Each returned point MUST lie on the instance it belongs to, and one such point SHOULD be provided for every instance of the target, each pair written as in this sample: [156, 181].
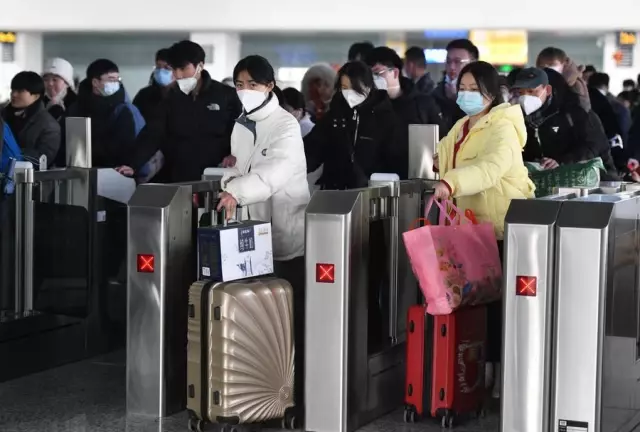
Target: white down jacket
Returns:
[271, 175]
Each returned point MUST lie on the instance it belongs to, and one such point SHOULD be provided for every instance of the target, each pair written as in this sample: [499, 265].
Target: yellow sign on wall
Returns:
[627, 38]
[7, 37]
[498, 47]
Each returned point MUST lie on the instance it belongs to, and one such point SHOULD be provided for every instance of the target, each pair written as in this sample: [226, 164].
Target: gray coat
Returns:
[40, 135]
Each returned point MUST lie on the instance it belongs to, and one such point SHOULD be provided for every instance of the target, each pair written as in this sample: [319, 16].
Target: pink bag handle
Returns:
[456, 219]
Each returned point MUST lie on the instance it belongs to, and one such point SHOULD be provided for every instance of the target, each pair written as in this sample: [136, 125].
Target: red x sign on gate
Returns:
[526, 286]
[325, 273]
[146, 263]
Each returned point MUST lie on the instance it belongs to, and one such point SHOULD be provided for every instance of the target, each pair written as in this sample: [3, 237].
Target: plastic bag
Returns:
[457, 262]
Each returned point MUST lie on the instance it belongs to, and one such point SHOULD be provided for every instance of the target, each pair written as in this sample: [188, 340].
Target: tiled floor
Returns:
[90, 397]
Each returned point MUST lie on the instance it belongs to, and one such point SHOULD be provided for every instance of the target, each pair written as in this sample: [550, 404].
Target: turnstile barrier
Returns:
[162, 263]
[357, 275]
[571, 312]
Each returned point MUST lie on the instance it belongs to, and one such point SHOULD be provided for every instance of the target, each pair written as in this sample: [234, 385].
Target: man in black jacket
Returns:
[410, 106]
[559, 131]
[460, 52]
[193, 123]
[415, 68]
[113, 130]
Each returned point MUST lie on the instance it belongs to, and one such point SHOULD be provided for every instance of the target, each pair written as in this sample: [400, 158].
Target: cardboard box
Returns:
[235, 251]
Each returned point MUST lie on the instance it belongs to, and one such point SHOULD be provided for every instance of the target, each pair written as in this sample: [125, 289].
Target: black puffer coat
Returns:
[353, 143]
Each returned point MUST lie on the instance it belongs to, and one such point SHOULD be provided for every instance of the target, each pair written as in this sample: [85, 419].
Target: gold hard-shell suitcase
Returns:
[240, 353]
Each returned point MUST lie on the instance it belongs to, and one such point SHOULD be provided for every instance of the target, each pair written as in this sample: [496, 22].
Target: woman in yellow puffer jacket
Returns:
[481, 167]
[480, 160]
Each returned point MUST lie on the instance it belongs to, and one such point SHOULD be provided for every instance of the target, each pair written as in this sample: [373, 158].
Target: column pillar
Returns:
[28, 51]
[25, 53]
[397, 42]
[610, 66]
[222, 51]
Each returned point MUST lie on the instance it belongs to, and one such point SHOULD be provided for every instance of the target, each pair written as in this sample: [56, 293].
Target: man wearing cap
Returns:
[59, 87]
[559, 131]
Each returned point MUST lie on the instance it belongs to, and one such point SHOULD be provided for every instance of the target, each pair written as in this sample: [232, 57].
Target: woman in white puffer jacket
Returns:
[270, 179]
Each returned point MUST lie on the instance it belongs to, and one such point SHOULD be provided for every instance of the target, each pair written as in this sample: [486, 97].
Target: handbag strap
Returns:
[454, 217]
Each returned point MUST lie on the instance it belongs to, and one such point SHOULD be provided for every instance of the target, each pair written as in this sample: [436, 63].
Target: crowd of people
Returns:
[342, 127]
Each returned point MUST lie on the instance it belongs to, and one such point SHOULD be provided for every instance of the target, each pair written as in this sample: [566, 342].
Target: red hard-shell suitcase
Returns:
[419, 359]
[445, 363]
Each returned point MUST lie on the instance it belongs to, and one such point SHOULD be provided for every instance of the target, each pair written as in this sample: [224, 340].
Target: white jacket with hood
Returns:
[271, 174]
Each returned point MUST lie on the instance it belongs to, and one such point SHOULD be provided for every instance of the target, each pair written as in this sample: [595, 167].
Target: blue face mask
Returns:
[111, 88]
[163, 76]
[470, 102]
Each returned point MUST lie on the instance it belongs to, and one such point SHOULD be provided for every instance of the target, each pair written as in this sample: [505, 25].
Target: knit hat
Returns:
[61, 68]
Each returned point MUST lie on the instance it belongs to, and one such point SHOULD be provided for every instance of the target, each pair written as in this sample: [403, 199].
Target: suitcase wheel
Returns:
[289, 421]
[196, 425]
[447, 420]
[410, 415]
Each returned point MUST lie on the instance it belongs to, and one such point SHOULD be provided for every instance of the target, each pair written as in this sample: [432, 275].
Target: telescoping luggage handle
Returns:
[223, 215]
[454, 217]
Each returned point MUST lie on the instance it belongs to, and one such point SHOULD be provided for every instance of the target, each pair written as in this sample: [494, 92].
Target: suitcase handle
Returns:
[226, 222]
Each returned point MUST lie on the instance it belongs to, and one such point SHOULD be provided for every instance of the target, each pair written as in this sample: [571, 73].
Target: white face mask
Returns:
[506, 96]
[558, 68]
[188, 84]
[530, 103]
[380, 83]
[251, 99]
[353, 98]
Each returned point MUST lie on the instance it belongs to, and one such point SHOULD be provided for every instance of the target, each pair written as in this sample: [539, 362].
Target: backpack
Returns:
[9, 153]
[138, 120]
[10, 149]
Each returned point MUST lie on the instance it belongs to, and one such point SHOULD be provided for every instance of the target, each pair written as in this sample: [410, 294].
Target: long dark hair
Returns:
[487, 79]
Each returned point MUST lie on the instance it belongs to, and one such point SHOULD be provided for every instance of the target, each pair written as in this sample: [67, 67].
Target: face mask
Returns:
[59, 97]
[506, 96]
[380, 83]
[471, 103]
[163, 76]
[251, 99]
[111, 88]
[530, 103]
[353, 98]
[188, 84]
[558, 68]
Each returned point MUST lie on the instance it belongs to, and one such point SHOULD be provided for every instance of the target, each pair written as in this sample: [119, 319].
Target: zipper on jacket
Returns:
[356, 117]
[537, 136]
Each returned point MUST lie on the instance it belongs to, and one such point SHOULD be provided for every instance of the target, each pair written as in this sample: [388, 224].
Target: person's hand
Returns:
[571, 72]
[125, 170]
[548, 163]
[229, 162]
[633, 165]
[441, 191]
[229, 204]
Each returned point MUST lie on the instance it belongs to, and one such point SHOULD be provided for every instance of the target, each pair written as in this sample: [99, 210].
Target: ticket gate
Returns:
[59, 295]
[571, 312]
[357, 276]
[162, 263]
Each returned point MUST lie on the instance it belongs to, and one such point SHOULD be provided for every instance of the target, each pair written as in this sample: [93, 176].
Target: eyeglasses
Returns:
[111, 79]
[380, 73]
[456, 61]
